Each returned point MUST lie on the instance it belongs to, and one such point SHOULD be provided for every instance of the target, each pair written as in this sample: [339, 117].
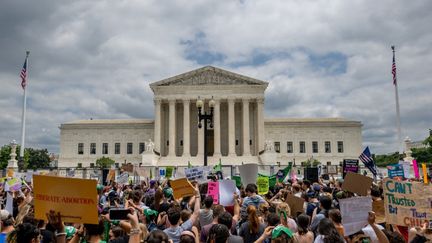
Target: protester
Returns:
[252, 229]
[304, 234]
[327, 232]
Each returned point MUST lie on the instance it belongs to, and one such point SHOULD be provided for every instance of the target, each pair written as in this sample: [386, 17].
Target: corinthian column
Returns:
[157, 127]
[246, 136]
[172, 126]
[186, 128]
[231, 128]
[260, 125]
[217, 130]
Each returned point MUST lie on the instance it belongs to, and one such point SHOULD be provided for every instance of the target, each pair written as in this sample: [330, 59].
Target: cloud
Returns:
[321, 58]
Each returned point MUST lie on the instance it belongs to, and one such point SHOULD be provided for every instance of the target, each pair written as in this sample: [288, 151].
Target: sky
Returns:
[95, 59]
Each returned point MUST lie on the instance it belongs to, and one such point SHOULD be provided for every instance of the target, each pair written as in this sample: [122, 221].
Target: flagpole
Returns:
[24, 112]
[398, 123]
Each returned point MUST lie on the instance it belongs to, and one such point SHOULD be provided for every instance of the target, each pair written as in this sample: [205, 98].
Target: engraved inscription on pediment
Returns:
[209, 77]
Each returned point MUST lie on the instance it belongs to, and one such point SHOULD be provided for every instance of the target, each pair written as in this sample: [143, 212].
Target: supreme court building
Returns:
[239, 133]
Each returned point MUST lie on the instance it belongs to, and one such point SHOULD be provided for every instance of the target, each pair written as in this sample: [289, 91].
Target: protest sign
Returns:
[311, 174]
[332, 169]
[182, 188]
[248, 173]
[142, 171]
[395, 170]
[213, 191]
[425, 178]
[14, 184]
[407, 203]
[128, 167]
[406, 166]
[295, 203]
[75, 199]
[162, 172]
[195, 173]
[357, 183]
[226, 192]
[378, 208]
[111, 175]
[350, 165]
[263, 185]
[354, 213]
[10, 173]
[169, 171]
[415, 169]
[123, 179]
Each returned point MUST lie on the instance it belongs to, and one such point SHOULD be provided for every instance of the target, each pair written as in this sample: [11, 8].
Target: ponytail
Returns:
[253, 219]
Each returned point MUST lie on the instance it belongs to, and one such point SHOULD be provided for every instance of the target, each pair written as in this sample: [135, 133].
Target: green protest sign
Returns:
[263, 185]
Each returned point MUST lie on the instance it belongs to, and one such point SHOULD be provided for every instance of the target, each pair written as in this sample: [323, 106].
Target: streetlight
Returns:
[206, 117]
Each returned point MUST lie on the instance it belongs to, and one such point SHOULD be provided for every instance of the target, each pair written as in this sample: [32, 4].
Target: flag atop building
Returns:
[368, 161]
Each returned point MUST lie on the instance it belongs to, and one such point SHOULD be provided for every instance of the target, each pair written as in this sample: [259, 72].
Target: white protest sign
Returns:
[123, 178]
[197, 173]
[226, 190]
[355, 211]
[248, 173]
[406, 165]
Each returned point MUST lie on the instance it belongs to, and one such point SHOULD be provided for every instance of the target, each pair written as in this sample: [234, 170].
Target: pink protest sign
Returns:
[213, 191]
[415, 169]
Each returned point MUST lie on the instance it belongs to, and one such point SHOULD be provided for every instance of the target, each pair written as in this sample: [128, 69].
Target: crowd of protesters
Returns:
[155, 216]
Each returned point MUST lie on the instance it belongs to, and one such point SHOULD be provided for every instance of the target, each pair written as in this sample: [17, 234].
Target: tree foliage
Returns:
[38, 158]
[5, 155]
[104, 162]
[311, 163]
[383, 160]
[424, 155]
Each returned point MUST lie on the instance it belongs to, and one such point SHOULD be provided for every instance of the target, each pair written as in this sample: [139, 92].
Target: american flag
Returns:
[23, 75]
[394, 67]
[368, 161]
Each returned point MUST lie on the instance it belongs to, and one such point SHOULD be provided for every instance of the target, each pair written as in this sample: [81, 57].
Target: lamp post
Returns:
[207, 117]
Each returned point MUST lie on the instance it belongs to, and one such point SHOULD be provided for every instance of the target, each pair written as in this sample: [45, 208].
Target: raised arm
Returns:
[382, 238]
[197, 206]
[236, 216]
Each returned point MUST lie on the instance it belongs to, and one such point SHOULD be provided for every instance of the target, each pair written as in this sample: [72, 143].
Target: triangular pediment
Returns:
[208, 76]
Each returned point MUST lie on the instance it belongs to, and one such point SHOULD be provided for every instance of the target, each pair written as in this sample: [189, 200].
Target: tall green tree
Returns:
[424, 155]
[5, 155]
[104, 162]
[38, 158]
[383, 160]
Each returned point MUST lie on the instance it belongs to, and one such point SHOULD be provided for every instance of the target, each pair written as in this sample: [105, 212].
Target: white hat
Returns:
[4, 214]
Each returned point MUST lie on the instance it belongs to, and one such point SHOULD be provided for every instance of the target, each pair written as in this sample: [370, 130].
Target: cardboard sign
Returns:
[263, 185]
[407, 203]
[295, 203]
[169, 171]
[395, 170]
[111, 175]
[213, 191]
[357, 183]
[142, 171]
[332, 169]
[128, 167]
[354, 213]
[226, 192]
[10, 173]
[123, 179]
[378, 208]
[350, 165]
[248, 173]
[182, 188]
[75, 199]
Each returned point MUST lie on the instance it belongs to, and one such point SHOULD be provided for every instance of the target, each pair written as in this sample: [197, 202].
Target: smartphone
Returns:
[118, 213]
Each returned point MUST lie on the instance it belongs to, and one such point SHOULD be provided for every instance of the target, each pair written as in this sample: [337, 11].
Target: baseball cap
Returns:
[4, 214]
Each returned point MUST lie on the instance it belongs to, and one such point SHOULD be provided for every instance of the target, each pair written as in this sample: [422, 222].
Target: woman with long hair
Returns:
[336, 217]
[304, 234]
[284, 212]
[328, 233]
[252, 229]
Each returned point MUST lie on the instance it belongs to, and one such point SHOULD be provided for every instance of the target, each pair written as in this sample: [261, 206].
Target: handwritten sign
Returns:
[195, 173]
[354, 213]
[395, 170]
[332, 169]
[357, 183]
[213, 191]
[128, 167]
[407, 203]
[142, 171]
[406, 166]
[378, 208]
[263, 185]
[123, 179]
[75, 199]
[295, 203]
[182, 188]
[350, 165]
[226, 192]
